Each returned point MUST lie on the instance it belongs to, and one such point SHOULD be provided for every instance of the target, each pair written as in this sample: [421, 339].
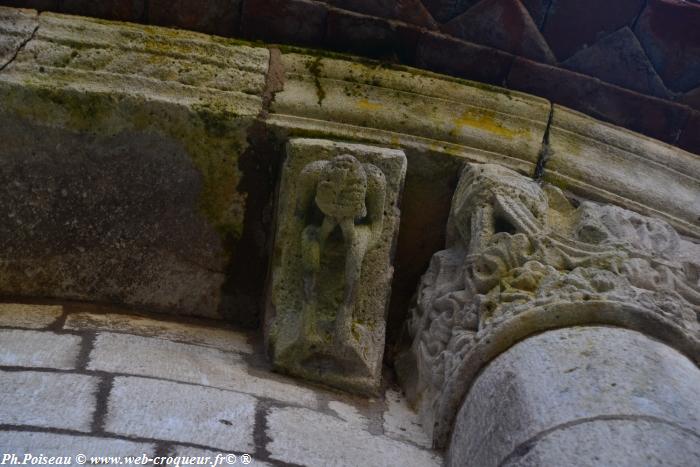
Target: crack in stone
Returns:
[546, 151]
[523, 448]
[20, 48]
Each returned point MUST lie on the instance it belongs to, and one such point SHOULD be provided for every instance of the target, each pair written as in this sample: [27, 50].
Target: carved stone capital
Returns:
[521, 259]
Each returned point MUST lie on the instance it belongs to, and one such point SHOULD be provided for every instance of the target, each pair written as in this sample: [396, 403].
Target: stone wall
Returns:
[633, 63]
[195, 127]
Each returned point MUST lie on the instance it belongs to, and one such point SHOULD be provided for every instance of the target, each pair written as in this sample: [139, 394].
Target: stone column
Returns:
[582, 396]
[552, 332]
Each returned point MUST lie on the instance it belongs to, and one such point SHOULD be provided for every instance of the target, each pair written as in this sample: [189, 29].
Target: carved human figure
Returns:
[342, 195]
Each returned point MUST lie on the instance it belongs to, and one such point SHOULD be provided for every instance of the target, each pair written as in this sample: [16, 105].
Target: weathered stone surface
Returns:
[571, 24]
[670, 188]
[503, 24]
[220, 17]
[580, 384]
[309, 438]
[657, 118]
[521, 259]
[401, 422]
[616, 442]
[337, 222]
[38, 349]
[669, 33]
[156, 409]
[417, 111]
[74, 394]
[53, 444]
[19, 315]
[222, 339]
[118, 353]
[155, 121]
[119, 10]
[294, 21]
[16, 28]
[619, 59]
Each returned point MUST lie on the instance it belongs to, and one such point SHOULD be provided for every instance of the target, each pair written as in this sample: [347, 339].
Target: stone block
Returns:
[16, 28]
[660, 119]
[19, 315]
[690, 137]
[155, 120]
[38, 349]
[118, 10]
[62, 401]
[294, 21]
[220, 17]
[149, 408]
[309, 438]
[572, 25]
[671, 173]
[445, 54]
[337, 221]
[58, 445]
[409, 11]
[157, 358]
[503, 24]
[222, 339]
[619, 59]
[669, 33]
[543, 387]
[445, 10]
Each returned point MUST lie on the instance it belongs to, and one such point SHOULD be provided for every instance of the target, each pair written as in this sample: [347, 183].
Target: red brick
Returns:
[651, 116]
[118, 10]
[669, 31]
[573, 24]
[619, 59]
[290, 21]
[409, 11]
[447, 55]
[218, 17]
[690, 137]
[503, 24]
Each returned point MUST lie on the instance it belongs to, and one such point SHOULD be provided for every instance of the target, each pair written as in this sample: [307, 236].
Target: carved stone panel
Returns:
[520, 259]
[337, 220]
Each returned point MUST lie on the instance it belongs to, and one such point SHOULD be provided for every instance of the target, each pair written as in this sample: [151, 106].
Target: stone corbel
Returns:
[522, 259]
[337, 221]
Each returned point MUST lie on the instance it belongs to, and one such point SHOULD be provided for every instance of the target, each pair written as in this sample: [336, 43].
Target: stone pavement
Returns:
[81, 379]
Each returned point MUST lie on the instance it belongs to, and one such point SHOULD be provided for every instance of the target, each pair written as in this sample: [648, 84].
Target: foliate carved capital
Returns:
[522, 258]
